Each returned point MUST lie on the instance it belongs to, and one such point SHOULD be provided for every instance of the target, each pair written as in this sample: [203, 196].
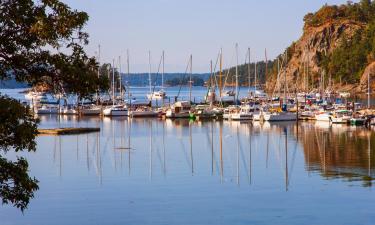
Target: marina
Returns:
[284, 172]
[187, 112]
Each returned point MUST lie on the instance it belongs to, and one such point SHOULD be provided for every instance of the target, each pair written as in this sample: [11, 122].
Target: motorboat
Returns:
[245, 113]
[46, 109]
[323, 116]
[180, 109]
[279, 116]
[68, 110]
[341, 116]
[90, 110]
[142, 111]
[157, 95]
[116, 110]
[229, 111]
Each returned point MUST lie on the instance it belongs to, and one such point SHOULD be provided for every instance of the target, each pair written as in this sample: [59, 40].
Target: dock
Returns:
[68, 131]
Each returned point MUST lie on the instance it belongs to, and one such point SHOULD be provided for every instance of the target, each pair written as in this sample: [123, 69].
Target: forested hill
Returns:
[142, 79]
[246, 71]
[337, 47]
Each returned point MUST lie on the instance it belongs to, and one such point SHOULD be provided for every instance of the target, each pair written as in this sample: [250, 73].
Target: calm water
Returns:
[150, 171]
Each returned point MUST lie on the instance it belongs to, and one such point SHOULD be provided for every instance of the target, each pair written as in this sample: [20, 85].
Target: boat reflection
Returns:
[228, 151]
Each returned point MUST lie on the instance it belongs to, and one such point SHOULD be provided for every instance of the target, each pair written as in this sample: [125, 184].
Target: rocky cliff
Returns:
[335, 46]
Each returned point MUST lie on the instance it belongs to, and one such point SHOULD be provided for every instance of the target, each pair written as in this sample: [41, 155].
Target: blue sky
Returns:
[198, 27]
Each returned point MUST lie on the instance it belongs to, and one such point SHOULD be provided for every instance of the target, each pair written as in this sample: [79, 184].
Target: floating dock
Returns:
[68, 130]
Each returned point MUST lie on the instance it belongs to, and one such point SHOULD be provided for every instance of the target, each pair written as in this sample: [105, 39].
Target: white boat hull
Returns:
[241, 116]
[115, 112]
[280, 116]
[142, 114]
[90, 112]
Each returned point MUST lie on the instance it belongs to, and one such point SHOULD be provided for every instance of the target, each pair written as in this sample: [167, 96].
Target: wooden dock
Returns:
[68, 131]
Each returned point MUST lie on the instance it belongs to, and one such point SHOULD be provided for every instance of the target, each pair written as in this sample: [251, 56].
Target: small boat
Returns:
[68, 110]
[280, 116]
[45, 109]
[157, 95]
[229, 111]
[35, 95]
[116, 110]
[206, 112]
[180, 109]
[142, 112]
[357, 121]
[341, 116]
[245, 113]
[325, 116]
[90, 110]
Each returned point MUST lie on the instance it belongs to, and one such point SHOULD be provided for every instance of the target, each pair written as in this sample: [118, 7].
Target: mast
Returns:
[162, 73]
[191, 73]
[113, 82]
[285, 78]
[97, 91]
[255, 77]
[237, 92]
[368, 91]
[149, 72]
[220, 73]
[120, 76]
[128, 70]
[248, 69]
[265, 55]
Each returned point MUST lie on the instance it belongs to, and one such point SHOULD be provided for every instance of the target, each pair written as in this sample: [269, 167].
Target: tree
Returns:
[18, 129]
[41, 42]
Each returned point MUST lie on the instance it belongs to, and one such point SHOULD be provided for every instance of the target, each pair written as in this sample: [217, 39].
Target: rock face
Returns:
[369, 71]
[307, 52]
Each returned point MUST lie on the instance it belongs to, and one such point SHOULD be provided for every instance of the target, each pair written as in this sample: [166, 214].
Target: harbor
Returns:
[242, 170]
[187, 112]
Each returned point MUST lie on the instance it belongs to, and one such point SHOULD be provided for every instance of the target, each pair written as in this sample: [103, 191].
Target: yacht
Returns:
[157, 95]
[142, 111]
[341, 116]
[115, 110]
[279, 116]
[324, 116]
[68, 110]
[229, 111]
[245, 113]
[180, 109]
[46, 109]
[90, 110]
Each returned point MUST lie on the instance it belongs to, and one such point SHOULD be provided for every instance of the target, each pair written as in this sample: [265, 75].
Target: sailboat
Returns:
[257, 93]
[245, 112]
[115, 110]
[145, 110]
[283, 115]
[160, 94]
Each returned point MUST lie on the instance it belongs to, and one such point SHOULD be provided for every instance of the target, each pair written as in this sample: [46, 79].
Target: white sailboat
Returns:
[160, 94]
[284, 115]
[115, 110]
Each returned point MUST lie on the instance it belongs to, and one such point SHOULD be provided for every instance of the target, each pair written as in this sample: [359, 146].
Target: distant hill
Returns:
[141, 79]
[12, 83]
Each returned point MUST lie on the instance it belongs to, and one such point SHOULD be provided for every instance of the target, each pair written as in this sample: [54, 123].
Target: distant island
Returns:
[170, 79]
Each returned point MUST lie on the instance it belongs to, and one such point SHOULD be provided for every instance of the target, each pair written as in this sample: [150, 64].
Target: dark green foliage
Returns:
[347, 62]
[243, 73]
[18, 127]
[32, 35]
[18, 130]
[361, 12]
[196, 81]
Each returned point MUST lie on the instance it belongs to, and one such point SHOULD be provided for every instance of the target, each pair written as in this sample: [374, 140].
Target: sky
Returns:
[197, 27]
